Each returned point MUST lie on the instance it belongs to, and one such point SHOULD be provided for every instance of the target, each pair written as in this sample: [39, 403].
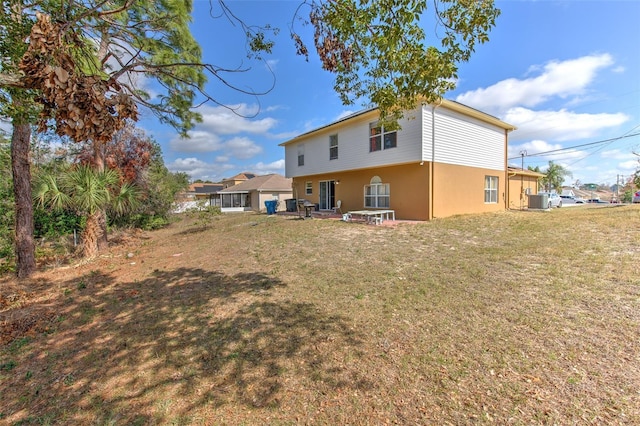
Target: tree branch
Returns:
[12, 80]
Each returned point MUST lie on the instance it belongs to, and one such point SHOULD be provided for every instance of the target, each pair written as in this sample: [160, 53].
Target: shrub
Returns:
[52, 224]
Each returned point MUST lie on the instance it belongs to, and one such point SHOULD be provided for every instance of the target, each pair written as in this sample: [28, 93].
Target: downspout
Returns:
[506, 172]
[431, 214]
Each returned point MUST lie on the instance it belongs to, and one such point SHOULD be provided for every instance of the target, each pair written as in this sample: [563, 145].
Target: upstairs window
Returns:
[491, 189]
[380, 139]
[300, 155]
[333, 147]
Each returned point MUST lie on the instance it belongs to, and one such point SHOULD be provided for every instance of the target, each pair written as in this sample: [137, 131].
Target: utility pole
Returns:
[522, 154]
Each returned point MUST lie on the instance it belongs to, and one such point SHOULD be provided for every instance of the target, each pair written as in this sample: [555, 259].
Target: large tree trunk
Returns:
[90, 235]
[21, 168]
[103, 240]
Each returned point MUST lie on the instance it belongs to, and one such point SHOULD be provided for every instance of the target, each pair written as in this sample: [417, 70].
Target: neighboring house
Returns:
[204, 191]
[239, 178]
[251, 194]
[569, 193]
[522, 183]
[209, 191]
[447, 159]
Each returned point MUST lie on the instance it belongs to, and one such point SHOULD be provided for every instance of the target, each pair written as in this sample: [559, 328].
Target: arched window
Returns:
[376, 194]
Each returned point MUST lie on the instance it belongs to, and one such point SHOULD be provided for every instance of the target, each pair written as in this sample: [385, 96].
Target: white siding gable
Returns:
[462, 140]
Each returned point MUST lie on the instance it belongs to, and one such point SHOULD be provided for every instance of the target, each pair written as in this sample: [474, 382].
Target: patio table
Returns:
[374, 216]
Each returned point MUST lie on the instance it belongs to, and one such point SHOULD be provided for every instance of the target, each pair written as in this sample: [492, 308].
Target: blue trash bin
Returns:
[271, 206]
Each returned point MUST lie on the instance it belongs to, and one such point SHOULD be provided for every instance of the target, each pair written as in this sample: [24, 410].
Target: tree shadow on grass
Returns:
[179, 342]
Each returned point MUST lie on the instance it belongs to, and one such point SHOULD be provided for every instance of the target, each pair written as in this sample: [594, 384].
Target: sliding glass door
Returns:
[327, 194]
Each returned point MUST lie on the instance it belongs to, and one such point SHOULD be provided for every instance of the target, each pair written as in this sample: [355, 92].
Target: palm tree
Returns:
[88, 192]
[555, 176]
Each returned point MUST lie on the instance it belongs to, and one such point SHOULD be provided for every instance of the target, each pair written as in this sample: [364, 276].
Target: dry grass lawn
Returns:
[509, 318]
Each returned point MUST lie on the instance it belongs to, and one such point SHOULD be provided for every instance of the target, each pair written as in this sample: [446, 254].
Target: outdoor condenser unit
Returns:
[538, 201]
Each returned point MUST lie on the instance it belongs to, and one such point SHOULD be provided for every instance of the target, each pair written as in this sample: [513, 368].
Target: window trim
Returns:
[308, 187]
[333, 146]
[491, 186]
[379, 136]
[377, 184]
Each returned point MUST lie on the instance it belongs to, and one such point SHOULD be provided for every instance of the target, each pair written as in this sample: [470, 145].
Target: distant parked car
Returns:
[572, 199]
[554, 199]
[596, 201]
[636, 197]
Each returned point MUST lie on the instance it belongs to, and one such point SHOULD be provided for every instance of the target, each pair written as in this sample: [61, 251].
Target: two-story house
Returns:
[446, 159]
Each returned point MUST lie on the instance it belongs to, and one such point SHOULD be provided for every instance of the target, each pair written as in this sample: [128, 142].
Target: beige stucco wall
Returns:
[460, 190]
[407, 186]
[457, 189]
[258, 199]
[518, 184]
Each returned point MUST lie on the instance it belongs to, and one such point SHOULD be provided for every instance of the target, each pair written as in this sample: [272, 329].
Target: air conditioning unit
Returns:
[538, 201]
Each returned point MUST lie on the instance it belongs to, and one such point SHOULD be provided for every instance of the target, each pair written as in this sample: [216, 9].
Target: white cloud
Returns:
[223, 131]
[274, 108]
[559, 125]
[242, 148]
[185, 164]
[285, 135]
[344, 114]
[531, 147]
[198, 141]
[617, 154]
[538, 105]
[629, 166]
[273, 167]
[218, 170]
[272, 64]
[198, 169]
[535, 147]
[556, 79]
[235, 119]
[123, 53]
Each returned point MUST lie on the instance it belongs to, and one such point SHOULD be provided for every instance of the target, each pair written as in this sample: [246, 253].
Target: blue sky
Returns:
[566, 73]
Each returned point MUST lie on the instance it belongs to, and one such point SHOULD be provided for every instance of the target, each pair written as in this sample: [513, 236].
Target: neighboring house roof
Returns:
[452, 105]
[205, 188]
[272, 182]
[241, 176]
[520, 172]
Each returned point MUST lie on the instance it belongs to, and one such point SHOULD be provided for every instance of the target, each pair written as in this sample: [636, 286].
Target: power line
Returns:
[578, 146]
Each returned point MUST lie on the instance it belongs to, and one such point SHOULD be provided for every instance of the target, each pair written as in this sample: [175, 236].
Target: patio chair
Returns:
[336, 209]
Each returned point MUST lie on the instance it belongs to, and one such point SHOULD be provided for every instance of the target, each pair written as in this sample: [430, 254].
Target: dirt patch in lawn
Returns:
[251, 319]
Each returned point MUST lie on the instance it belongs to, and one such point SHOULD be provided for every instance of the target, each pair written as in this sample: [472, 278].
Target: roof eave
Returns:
[371, 111]
[452, 105]
[472, 112]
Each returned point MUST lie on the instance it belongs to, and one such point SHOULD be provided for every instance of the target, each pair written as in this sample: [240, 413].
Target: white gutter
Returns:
[431, 215]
